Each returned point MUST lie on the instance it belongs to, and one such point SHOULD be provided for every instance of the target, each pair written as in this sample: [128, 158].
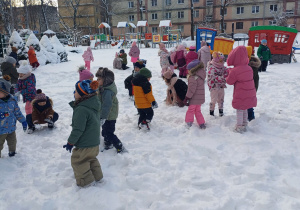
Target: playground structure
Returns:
[103, 39]
[216, 43]
[143, 36]
[126, 34]
[280, 41]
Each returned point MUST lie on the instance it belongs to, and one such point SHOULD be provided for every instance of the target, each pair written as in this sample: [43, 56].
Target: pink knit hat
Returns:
[85, 74]
[218, 57]
[192, 48]
[168, 74]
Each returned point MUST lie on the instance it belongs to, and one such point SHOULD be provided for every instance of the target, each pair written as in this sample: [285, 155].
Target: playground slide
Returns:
[120, 44]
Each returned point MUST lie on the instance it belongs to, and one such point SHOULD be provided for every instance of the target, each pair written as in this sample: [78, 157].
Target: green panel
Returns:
[276, 28]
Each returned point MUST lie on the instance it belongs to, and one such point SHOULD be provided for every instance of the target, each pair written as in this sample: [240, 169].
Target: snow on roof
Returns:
[132, 25]
[240, 36]
[103, 25]
[142, 23]
[49, 32]
[165, 23]
[122, 25]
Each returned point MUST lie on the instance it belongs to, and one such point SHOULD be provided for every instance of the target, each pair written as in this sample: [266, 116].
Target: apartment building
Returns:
[242, 14]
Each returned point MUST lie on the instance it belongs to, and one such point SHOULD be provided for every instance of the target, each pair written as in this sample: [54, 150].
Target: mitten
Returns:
[24, 124]
[102, 121]
[186, 101]
[68, 147]
[154, 105]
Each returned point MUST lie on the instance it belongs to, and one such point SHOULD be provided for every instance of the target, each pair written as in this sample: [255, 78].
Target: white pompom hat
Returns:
[24, 67]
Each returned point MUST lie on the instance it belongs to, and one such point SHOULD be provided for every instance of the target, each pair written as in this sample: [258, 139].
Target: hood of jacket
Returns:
[196, 71]
[5, 66]
[254, 62]
[205, 49]
[90, 101]
[112, 87]
[238, 57]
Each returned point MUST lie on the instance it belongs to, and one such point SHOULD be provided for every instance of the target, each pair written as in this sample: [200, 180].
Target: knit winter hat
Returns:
[139, 64]
[192, 48]
[145, 72]
[40, 97]
[85, 75]
[24, 67]
[4, 86]
[86, 87]
[193, 64]
[264, 41]
[168, 74]
[107, 75]
[218, 57]
[10, 59]
[122, 51]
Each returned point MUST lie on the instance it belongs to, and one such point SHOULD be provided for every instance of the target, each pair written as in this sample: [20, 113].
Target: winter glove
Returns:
[154, 105]
[24, 124]
[186, 101]
[17, 96]
[68, 147]
[102, 121]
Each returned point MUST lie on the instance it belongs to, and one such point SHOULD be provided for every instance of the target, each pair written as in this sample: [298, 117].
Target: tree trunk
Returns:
[192, 20]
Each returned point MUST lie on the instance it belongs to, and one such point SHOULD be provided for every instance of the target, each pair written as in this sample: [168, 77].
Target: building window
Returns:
[209, 2]
[239, 25]
[225, 11]
[195, 1]
[154, 16]
[154, 3]
[289, 12]
[180, 1]
[273, 7]
[225, 26]
[97, 20]
[130, 4]
[208, 18]
[154, 30]
[255, 9]
[168, 2]
[131, 18]
[254, 23]
[181, 28]
[196, 13]
[239, 10]
[180, 15]
[272, 22]
[168, 15]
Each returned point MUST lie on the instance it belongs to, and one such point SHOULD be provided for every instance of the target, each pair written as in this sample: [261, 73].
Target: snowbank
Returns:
[60, 49]
[52, 56]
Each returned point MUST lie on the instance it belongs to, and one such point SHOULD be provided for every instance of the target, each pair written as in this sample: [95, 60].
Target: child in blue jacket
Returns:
[9, 114]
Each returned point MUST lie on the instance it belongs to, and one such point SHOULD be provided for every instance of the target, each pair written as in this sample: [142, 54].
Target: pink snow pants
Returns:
[194, 110]
[88, 65]
[216, 95]
[241, 117]
[28, 108]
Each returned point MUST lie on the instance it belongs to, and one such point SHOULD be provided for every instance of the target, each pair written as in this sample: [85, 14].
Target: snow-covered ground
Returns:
[169, 167]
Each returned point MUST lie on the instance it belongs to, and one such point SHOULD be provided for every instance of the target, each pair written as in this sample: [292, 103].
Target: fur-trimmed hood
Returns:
[254, 62]
[199, 67]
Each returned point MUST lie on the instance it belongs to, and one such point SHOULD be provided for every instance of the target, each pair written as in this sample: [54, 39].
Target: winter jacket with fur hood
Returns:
[40, 113]
[241, 76]
[196, 89]
[255, 63]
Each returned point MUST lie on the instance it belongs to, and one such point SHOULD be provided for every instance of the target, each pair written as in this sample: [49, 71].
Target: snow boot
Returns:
[202, 126]
[221, 114]
[211, 112]
[31, 130]
[11, 154]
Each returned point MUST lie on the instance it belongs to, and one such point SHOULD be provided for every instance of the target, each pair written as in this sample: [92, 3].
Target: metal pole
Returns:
[264, 12]
[192, 20]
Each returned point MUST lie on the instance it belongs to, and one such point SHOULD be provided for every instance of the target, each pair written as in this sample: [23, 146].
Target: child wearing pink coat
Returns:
[244, 94]
[88, 57]
[204, 54]
[191, 55]
[179, 58]
[195, 95]
[134, 53]
[216, 81]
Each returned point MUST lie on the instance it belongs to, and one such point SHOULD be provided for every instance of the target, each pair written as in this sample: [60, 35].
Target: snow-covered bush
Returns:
[60, 49]
[16, 41]
[41, 55]
[52, 56]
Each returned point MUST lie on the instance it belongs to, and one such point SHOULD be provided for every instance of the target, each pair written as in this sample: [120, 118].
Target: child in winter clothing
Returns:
[85, 74]
[88, 57]
[244, 94]
[14, 54]
[264, 55]
[128, 81]
[42, 112]
[254, 63]
[85, 135]
[9, 114]
[26, 85]
[32, 58]
[216, 81]
[8, 67]
[195, 95]
[164, 58]
[117, 64]
[143, 97]
[204, 54]
[176, 89]
[134, 53]
[179, 58]
[191, 55]
[109, 109]
[123, 56]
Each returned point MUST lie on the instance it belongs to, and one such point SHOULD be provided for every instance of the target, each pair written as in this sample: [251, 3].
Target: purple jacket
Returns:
[241, 76]
[134, 53]
[179, 58]
[204, 55]
[196, 89]
[190, 56]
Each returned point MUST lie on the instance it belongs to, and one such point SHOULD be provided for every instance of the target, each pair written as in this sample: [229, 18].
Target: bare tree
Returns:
[280, 17]
[6, 15]
[25, 5]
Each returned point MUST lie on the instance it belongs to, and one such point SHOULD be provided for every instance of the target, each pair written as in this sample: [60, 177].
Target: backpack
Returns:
[181, 88]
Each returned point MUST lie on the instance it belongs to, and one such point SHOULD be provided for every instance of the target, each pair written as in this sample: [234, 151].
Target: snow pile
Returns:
[40, 53]
[16, 41]
[60, 49]
[25, 32]
[52, 56]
